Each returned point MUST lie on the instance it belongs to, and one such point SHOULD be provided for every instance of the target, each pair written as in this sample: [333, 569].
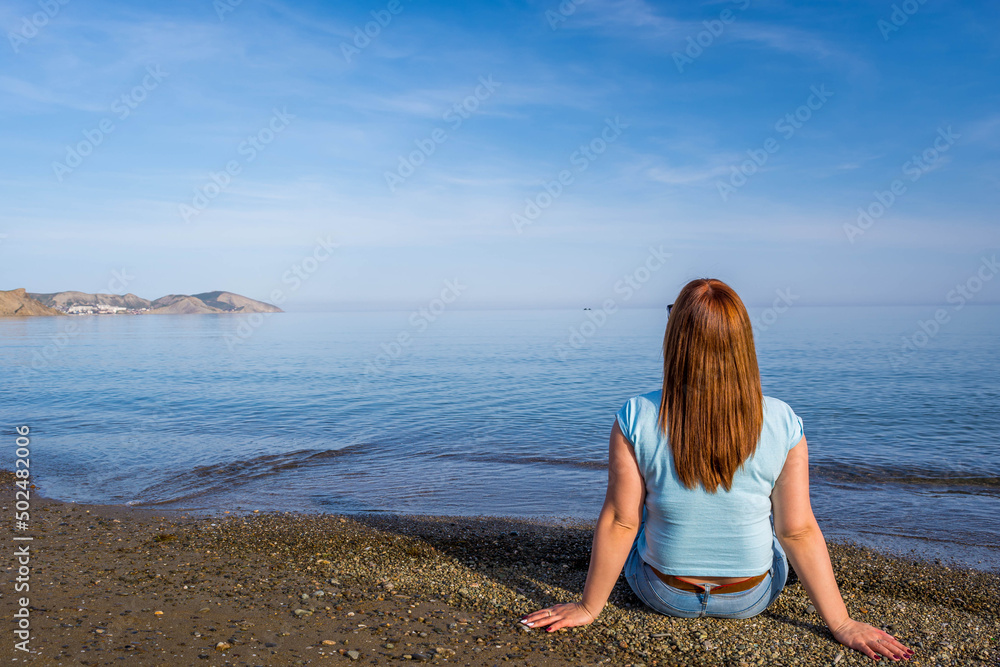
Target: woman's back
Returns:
[689, 531]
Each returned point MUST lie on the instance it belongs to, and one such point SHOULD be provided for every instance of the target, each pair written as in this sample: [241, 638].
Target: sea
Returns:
[496, 413]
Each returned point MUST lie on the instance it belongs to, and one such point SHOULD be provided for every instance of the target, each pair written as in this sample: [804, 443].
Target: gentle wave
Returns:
[207, 479]
[203, 481]
[949, 481]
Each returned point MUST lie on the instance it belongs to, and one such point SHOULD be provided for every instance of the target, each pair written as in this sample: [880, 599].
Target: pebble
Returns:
[354, 655]
[222, 646]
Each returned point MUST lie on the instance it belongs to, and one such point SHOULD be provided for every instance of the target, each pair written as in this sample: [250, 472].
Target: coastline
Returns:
[446, 590]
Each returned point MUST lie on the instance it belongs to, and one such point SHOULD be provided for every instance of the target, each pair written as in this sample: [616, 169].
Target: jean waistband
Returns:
[691, 587]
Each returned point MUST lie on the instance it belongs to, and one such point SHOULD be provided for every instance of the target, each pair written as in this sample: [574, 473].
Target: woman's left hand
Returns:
[560, 616]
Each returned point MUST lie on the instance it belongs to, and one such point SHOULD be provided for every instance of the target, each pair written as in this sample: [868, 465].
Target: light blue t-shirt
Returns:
[696, 533]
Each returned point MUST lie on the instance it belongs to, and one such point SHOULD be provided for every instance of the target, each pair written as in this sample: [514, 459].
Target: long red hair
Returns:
[712, 408]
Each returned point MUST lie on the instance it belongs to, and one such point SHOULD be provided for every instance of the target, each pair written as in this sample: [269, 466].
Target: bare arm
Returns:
[616, 529]
[803, 542]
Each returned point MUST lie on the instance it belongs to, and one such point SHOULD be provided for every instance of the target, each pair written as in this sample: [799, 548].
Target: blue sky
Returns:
[644, 109]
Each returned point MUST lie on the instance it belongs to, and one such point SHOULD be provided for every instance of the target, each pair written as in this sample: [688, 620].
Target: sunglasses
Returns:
[668, 309]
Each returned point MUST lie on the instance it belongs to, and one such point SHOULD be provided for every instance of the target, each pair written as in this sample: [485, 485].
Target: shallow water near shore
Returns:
[495, 413]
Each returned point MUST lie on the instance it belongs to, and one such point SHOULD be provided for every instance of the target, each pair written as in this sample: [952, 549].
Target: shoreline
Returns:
[446, 590]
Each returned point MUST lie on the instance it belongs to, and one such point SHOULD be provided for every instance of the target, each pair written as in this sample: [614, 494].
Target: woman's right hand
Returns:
[560, 616]
[870, 640]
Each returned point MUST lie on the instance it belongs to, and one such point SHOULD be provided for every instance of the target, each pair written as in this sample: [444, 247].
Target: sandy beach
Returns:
[114, 585]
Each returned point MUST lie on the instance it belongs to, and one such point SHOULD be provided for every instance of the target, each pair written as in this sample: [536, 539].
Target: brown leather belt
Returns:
[681, 584]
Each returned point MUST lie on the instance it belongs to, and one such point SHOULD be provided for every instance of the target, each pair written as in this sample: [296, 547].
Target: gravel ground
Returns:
[112, 585]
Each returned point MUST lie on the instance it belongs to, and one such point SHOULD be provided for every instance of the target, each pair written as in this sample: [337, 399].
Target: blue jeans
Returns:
[685, 604]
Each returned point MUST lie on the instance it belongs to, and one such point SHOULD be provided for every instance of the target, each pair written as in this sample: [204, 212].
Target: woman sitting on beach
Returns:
[695, 471]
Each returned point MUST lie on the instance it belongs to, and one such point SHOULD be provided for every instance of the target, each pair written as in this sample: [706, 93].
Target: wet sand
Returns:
[113, 585]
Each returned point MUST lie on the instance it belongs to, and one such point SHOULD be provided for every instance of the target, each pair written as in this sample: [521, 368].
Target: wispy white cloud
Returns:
[985, 131]
[646, 24]
[19, 91]
[686, 175]
[628, 17]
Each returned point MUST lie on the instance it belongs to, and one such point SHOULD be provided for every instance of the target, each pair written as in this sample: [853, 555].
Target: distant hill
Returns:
[173, 304]
[18, 303]
[180, 304]
[234, 303]
[64, 300]
[210, 302]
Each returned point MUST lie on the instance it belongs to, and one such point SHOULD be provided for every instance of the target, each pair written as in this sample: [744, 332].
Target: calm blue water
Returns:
[480, 414]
